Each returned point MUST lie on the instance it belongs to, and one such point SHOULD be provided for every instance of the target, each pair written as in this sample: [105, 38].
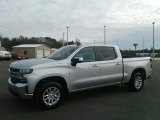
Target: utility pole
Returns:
[104, 34]
[153, 40]
[94, 42]
[67, 35]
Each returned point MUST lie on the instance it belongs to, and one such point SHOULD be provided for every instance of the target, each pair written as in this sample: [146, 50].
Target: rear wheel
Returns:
[137, 81]
[48, 95]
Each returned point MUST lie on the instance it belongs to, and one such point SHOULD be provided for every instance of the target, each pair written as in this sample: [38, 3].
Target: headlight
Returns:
[26, 71]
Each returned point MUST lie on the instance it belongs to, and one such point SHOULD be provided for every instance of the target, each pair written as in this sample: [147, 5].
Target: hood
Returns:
[26, 64]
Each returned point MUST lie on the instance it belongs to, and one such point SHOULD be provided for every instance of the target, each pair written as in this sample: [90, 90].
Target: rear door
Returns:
[111, 65]
[86, 74]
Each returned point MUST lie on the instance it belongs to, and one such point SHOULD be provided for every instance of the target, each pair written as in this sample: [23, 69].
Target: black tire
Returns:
[136, 82]
[8, 59]
[41, 90]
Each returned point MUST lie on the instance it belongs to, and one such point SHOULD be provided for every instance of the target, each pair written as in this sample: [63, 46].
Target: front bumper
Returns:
[5, 57]
[149, 75]
[19, 89]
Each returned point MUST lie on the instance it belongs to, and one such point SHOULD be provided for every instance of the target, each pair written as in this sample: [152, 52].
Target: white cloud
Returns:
[125, 19]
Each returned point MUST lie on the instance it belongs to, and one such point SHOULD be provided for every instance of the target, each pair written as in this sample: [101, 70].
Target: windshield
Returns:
[62, 53]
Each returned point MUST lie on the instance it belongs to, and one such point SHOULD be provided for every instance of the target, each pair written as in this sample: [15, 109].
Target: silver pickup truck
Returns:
[73, 68]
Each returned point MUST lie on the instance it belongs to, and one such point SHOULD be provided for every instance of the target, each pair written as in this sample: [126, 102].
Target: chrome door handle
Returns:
[118, 63]
[95, 65]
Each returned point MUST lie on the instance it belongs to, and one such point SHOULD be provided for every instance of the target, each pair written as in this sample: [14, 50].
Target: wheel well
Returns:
[57, 79]
[141, 70]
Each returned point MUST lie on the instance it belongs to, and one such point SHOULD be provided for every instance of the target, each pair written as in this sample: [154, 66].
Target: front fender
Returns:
[41, 74]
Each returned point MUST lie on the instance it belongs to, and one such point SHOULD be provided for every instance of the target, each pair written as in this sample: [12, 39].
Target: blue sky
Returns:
[129, 21]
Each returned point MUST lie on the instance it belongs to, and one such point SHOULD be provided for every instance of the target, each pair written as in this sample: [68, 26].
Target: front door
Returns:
[87, 73]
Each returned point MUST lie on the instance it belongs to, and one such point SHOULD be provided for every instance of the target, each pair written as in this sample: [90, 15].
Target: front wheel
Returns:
[137, 81]
[49, 95]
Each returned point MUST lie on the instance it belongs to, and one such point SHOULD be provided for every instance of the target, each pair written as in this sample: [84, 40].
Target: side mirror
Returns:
[76, 60]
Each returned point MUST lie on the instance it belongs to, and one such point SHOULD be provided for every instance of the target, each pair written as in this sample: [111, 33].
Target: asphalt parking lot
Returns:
[109, 103]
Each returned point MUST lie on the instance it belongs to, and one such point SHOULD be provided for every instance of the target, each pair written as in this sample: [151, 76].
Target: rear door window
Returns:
[106, 53]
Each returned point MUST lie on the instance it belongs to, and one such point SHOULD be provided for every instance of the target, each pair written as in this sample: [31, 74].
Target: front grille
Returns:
[18, 80]
[15, 80]
[14, 70]
[16, 77]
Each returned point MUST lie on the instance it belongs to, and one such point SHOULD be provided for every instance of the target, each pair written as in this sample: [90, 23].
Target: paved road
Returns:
[110, 103]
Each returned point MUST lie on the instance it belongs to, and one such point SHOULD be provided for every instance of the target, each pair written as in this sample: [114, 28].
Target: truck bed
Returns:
[133, 63]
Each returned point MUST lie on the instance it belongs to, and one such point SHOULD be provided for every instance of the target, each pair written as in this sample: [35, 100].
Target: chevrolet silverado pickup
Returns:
[74, 68]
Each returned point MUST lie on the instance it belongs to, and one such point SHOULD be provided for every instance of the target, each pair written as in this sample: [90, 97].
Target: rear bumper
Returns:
[19, 89]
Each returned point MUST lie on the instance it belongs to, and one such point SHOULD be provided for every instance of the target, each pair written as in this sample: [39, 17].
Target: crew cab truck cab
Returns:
[73, 68]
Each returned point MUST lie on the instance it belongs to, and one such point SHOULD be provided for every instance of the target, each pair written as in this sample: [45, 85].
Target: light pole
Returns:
[76, 41]
[117, 42]
[104, 34]
[143, 45]
[63, 39]
[153, 40]
[67, 35]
